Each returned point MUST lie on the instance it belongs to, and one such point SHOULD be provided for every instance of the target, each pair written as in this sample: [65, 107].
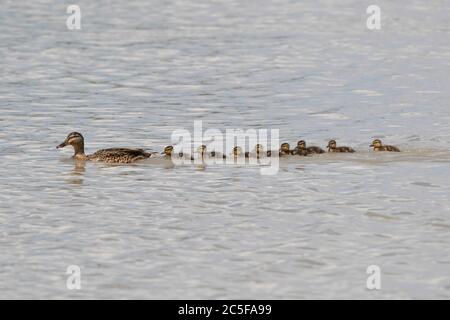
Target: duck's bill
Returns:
[371, 146]
[62, 145]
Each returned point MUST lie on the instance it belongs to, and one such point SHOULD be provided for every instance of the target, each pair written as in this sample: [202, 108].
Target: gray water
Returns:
[137, 70]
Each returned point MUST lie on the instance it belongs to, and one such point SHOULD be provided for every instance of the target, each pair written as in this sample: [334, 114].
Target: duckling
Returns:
[236, 152]
[168, 153]
[113, 155]
[302, 150]
[259, 151]
[377, 145]
[285, 149]
[202, 151]
[333, 148]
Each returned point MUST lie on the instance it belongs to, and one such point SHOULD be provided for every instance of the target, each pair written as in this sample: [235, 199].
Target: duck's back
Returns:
[119, 155]
[390, 148]
[300, 152]
[314, 149]
[344, 150]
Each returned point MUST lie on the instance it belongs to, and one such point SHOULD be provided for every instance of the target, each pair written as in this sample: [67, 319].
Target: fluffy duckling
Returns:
[112, 155]
[167, 151]
[202, 150]
[285, 149]
[377, 145]
[302, 150]
[259, 151]
[168, 154]
[332, 147]
[236, 152]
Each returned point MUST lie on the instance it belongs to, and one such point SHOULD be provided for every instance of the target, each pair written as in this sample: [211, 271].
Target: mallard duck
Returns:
[285, 149]
[333, 148]
[377, 145]
[113, 155]
[302, 150]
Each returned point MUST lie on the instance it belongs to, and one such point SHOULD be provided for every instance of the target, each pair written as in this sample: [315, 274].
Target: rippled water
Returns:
[140, 69]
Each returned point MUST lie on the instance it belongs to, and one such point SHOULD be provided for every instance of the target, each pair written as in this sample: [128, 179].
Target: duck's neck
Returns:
[79, 150]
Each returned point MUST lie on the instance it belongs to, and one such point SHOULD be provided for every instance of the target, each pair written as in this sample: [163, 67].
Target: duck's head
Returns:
[237, 151]
[376, 143]
[332, 144]
[75, 140]
[201, 149]
[301, 144]
[259, 148]
[168, 151]
[285, 147]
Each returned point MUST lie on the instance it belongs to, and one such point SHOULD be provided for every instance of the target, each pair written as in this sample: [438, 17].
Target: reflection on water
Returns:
[76, 175]
[136, 72]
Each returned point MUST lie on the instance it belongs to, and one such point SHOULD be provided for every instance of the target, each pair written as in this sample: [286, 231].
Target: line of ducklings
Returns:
[285, 150]
[125, 155]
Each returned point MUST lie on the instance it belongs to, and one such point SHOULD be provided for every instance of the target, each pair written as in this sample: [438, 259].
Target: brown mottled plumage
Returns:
[302, 150]
[285, 149]
[236, 151]
[113, 155]
[332, 147]
[377, 145]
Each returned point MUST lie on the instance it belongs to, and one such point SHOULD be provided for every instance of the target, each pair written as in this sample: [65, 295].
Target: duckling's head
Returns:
[376, 143]
[168, 151]
[237, 151]
[75, 140]
[202, 149]
[332, 144]
[259, 148]
[285, 147]
[301, 144]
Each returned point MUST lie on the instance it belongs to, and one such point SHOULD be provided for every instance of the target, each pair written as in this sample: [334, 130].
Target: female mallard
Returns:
[113, 155]
[333, 148]
[377, 145]
[302, 150]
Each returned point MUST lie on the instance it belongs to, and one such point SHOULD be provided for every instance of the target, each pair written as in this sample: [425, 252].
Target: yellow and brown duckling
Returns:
[259, 151]
[285, 149]
[377, 145]
[202, 151]
[112, 155]
[332, 147]
[303, 150]
[236, 152]
[168, 153]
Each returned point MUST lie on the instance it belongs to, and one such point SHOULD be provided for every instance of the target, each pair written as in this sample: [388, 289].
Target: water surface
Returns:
[140, 69]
